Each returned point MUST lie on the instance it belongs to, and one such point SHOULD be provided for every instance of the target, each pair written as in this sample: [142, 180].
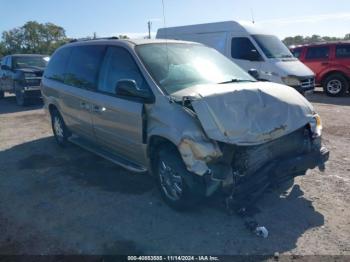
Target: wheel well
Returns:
[331, 73]
[154, 143]
[52, 108]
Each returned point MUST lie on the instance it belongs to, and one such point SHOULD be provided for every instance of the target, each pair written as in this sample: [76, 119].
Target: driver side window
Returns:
[242, 48]
[118, 64]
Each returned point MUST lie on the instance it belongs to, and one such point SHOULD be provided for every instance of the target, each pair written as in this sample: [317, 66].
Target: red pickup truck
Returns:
[330, 63]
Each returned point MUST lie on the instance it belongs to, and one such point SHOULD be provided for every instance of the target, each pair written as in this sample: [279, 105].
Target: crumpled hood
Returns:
[248, 113]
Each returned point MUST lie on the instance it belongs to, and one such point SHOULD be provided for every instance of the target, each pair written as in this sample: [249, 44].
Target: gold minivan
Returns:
[184, 113]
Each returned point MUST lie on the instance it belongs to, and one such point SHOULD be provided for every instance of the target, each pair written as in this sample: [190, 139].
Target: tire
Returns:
[2, 94]
[179, 188]
[21, 98]
[335, 85]
[59, 129]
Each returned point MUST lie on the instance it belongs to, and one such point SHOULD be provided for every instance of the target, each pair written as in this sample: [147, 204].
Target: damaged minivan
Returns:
[184, 113]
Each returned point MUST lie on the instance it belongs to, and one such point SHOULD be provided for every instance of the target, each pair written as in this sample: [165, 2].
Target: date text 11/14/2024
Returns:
[173, 258]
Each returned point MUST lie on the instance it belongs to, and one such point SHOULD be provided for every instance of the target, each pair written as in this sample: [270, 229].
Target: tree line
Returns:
[45, 38]
[35, 38]
[301, 40]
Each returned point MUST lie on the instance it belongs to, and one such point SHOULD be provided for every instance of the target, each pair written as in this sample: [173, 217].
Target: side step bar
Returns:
[107, 155]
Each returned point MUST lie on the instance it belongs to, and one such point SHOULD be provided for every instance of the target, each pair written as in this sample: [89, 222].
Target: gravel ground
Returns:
[69, 201]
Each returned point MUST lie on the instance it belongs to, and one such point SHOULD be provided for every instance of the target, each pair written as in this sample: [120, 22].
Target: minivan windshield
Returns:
[36, 62]
[176, 66]
[272, 46]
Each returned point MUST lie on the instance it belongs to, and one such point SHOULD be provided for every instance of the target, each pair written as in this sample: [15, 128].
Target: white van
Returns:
[250, 47]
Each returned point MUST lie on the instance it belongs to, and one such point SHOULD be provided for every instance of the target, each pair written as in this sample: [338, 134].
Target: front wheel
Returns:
[59, 129]
[335, 85]
[179, 188]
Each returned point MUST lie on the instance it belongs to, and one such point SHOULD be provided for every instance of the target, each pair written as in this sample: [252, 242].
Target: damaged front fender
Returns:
[195, 148]
[196, 154]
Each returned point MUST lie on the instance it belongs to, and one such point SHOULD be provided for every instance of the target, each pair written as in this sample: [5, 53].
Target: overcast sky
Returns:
[82, 18]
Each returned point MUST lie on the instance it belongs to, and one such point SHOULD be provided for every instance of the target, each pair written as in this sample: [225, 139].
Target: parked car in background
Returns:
[250, 47]
[330, 62]
[183, 112]
[21, 74]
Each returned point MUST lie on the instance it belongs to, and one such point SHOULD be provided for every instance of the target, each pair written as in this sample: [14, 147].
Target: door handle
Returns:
[98, 109]
[84, 105]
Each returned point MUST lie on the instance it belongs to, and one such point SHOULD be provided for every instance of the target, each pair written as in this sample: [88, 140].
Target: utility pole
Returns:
[149, 24]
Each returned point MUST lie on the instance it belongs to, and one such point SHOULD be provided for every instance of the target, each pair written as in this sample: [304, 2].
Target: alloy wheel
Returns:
[334, 86]
[171, 181]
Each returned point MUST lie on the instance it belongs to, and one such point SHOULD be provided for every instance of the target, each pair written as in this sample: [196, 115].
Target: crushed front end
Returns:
[261, 134]
[246, 172]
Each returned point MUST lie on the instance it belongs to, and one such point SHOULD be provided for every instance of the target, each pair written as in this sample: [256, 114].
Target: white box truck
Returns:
[250, 47]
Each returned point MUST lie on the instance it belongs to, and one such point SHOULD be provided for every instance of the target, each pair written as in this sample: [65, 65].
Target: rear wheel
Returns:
[335, 85]
[179, 188]
[59, 129]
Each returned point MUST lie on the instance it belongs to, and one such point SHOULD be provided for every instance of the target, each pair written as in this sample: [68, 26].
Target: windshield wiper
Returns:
[235, 80]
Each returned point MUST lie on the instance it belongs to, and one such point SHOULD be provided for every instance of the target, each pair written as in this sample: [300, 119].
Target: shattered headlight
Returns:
[316, 126]
[291, 81]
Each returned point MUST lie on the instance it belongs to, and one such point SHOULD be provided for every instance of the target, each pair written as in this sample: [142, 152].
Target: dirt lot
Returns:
[69, 201]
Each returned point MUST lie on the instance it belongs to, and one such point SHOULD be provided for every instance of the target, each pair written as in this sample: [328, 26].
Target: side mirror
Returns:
[254, 73]
[129, 88]
[5, 67]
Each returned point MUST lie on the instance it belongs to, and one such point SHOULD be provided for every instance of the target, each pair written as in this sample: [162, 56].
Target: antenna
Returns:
[149, 24]
[164, 22]
[252, 14]
[166, 36]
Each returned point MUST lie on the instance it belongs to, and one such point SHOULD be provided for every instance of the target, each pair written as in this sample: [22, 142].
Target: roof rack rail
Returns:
[90, 39]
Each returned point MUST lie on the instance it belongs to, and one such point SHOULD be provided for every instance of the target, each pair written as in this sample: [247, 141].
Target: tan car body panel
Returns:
[119, 126]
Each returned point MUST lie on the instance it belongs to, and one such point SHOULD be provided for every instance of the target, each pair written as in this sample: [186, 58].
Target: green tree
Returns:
[123, 37]
[294, 40]
[299, 40]
[33, 37]
[12, 40]
[2, 50]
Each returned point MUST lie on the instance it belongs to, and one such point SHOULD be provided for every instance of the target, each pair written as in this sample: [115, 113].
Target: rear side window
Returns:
[57, 66]
[320, 52]
[242, 48]
[118, 64]
[296, 52]
[342, 51]
[83, 66]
